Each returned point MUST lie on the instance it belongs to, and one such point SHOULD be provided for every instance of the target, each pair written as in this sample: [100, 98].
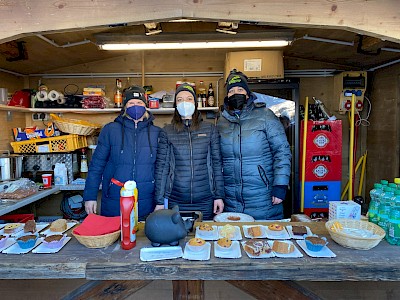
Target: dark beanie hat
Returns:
[237, 78]
[134, 92]
[185, 87]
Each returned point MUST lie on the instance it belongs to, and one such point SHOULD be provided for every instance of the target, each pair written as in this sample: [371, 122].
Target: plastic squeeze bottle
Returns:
[128, 215]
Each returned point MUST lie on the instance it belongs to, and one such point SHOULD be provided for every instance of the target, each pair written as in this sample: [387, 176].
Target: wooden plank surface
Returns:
[112, 263]
[188, 289]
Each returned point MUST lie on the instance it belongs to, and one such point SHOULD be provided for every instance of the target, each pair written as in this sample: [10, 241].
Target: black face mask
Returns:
[237, 101]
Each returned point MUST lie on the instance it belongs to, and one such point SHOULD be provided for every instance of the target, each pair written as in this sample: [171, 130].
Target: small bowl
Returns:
[29, 243]
[54, 244]
[315, 247]
[3, 241]
[196, 248]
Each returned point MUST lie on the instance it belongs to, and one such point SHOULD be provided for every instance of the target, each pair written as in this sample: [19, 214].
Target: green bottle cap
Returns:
[384, 182]
[393, 185]
[377, 185]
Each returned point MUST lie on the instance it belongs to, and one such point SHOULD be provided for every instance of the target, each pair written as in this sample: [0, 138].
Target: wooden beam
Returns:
[188, 289]
[107, 290]
[272, 289]
[375, 18]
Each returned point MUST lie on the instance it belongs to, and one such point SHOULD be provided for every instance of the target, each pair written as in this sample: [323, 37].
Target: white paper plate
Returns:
[325, 252]
[277, 235]
[18, 229]
[8, 243]
[249, 236]
[295, 254]
[200, 255]
[236, 237]
[42, 248]
[49, 232]
[224, 217]
[160, 253]
[297, 237]
[234, 252]
[212, 237]
[16, 249]
[265, 255]
[39, 227]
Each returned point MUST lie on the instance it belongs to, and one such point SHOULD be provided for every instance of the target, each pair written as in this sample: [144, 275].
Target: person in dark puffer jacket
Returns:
[255, 153]
[188, 168]
[126, 150]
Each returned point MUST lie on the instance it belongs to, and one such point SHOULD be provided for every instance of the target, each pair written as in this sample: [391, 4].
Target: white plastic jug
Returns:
[60, 174]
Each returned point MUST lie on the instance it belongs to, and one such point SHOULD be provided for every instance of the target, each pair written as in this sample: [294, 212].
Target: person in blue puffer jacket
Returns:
[255, 152]
[126, 150]
[188, 168]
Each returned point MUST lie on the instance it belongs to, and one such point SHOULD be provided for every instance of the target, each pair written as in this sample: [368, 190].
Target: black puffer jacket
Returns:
[189, 169]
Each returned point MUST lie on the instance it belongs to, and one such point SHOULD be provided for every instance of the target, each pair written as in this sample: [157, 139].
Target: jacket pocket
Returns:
[263, 175]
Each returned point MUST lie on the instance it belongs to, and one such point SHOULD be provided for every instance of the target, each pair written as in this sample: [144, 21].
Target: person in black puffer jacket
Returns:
[188, 167]
[126, 150]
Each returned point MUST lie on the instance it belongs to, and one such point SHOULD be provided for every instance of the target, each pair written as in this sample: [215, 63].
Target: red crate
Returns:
[323, 136]
[19, 218]
[323, 166]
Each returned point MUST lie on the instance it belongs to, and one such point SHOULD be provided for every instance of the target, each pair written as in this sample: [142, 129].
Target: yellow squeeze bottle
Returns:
[136, 194]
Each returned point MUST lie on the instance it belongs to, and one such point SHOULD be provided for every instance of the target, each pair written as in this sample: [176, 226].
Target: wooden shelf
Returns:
[92, 110]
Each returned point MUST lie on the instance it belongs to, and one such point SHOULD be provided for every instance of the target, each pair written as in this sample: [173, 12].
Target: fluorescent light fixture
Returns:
[194, 45]
[194, 41]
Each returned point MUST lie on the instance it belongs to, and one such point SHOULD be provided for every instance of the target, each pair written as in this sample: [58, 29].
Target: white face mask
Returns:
[185, 109]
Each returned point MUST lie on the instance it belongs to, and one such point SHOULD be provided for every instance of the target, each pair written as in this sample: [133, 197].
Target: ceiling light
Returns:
[227, 27]
[152, 28]
[195, 45]
[194, 40]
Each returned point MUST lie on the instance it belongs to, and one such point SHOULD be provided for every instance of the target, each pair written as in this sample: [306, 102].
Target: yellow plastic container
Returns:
[64, 143]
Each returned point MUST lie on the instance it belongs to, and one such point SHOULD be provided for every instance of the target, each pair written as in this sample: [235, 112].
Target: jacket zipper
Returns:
[191, 167]
[241, 162]
[134, 154]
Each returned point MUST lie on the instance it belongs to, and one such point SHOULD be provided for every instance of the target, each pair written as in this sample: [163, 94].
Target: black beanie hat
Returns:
[237, 78]
[134, 92]
[185, 87]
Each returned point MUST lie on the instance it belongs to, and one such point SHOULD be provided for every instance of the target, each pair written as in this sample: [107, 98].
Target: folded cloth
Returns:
[98, 225]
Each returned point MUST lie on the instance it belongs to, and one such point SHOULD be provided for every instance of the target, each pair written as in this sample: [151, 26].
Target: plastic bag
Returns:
[19, 189]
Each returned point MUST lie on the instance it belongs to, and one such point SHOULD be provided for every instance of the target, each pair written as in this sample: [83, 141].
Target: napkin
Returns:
[98, 225]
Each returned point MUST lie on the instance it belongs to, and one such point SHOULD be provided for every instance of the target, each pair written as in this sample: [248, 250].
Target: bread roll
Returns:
[58, 225]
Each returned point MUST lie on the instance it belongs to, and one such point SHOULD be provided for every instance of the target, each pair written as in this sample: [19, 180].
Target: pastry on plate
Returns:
[233, 218]
[257, 247]
[315, 243]
[255, 231]
[11, 228]
[30, 226]
[224, 243]
[299, 230]
[227, 231]
[206, 230]
[196, 244]
[59, 225]
[282, 247]
[275, 227]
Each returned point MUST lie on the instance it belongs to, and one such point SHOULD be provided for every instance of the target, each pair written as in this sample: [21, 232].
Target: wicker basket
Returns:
[351, 241]
[74, 126]
[99, 241]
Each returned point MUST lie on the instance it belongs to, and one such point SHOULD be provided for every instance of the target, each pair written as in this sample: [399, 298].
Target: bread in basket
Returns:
[340, 231]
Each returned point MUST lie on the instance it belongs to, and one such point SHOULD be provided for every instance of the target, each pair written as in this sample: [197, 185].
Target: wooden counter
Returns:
[112, 263]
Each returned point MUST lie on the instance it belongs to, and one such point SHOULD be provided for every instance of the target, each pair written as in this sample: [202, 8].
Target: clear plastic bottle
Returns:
[201, 94]
[384, 207]
[374, 203]
[393, 224]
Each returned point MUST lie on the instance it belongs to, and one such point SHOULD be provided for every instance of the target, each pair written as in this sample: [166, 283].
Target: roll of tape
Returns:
[53, 95]
[42, 96]
[61, 99]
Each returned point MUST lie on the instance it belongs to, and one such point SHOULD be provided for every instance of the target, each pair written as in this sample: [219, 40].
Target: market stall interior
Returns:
[331, 85]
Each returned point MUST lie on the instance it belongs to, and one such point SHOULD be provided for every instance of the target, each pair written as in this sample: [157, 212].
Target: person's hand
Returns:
[91, 207]
[276, 200]
[158, 207]
[218, 206]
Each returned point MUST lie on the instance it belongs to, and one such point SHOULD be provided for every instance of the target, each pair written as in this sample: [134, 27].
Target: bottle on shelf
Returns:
[127, 83]
[393, 224]
[210, 96]
[201, 94]
[84, 164]
[118, 94]
[374, 203]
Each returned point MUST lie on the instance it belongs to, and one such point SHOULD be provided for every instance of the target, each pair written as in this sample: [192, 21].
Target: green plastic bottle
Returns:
[384, 207]
[393, 224]
[374, 203]
[384, 182]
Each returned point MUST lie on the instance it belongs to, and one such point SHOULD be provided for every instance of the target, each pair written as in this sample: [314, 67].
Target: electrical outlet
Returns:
[40, 117]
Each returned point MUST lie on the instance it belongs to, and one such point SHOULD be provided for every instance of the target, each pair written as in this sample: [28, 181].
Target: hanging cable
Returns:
[364, 121]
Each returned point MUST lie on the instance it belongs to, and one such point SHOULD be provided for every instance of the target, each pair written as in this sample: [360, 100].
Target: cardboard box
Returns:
[344, 210]
[259, 64]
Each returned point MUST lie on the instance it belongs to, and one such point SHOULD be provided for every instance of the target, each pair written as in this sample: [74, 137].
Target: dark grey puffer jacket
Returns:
[253, 145]
[189, 168]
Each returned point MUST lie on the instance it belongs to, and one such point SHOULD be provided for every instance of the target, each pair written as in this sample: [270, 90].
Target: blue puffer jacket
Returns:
[253, 146]
[124, 152]
[189, 169]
